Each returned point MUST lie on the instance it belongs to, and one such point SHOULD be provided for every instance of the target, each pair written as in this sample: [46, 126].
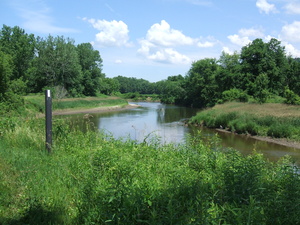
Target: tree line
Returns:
[261, 70]
[30, 64]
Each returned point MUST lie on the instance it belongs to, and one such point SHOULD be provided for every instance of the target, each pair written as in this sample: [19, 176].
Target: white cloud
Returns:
[265, 7]
[37, 18]
[293, 7]
[118, 61]
[169, 55]
[162, 34]
[112, 33]
[243, 36]
[291, 32]
[291, 50]
[227, 50]
[161, 54]
[206, 44]
[160, 39]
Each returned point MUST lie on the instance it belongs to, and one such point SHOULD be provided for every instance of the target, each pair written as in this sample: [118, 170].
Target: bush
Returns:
[234, 94]
[244, 125]
[291, 97]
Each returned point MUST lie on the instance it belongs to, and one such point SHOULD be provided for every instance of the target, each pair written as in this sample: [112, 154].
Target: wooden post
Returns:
[48, 112]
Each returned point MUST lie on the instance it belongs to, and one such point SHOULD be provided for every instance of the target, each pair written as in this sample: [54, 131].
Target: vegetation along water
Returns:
[93, 178]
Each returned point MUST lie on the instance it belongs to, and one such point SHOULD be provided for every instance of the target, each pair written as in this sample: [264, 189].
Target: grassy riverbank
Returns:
[270, 119]
[90, 178]
[36, 103]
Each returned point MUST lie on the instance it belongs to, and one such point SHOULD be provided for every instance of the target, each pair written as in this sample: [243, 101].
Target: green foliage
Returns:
[131, 84]
[201, 87]
[91, 65]
[171, 90]
[291, 97]
[109, 86]
[234, 94]
[260, 88]
[91, 178]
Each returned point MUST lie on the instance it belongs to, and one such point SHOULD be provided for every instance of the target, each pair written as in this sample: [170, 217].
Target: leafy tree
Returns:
[20, 46]
[171, 90]
[268, 58]
[6, 71]
[229, 74]
[57, 64]
[201, 86]
[261, 92]
[131, 84]
[9, 101]
[292, 75]
[109, 86]
[91, 65]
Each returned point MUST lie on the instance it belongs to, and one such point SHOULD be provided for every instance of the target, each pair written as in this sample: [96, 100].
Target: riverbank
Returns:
[276, 123]
[36, 105]
[102, 109]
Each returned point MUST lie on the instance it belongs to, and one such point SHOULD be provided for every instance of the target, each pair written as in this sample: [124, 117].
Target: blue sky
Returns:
[154, 39]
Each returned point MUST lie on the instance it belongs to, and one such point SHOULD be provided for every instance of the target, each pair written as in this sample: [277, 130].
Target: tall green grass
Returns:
[91, 178]
[246, 123]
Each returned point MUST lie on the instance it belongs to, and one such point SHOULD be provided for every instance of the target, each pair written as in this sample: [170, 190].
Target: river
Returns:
[165, 123]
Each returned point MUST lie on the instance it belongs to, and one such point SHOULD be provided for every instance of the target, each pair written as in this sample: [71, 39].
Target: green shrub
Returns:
[291, 97]
[280, 130]
[234, 94]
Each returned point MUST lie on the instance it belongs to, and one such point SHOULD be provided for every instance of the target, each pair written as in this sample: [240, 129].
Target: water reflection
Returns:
[163, 122]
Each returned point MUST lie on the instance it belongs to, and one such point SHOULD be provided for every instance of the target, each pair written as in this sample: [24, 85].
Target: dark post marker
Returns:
[48, 106]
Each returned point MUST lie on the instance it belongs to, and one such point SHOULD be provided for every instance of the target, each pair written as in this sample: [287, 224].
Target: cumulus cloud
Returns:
[291, 32]
[291, 50]
[227, 50]
[161, 54]
[160, 39]
[293, 7]
[265, 7]
[244, 35]
[162, 34]
[112, 33]
[206, 44]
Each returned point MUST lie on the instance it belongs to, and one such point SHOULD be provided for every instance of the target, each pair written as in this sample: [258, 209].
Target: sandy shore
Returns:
[94, 110]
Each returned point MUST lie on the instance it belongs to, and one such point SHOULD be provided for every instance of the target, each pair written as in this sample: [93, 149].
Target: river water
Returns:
[156, 121]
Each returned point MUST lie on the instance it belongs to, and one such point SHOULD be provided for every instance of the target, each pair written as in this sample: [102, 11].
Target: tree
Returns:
[91, 65]
[56, 64]
[201, 86]
[171, 90]
[132, 84]
[21, 46]
[109, 86]
[229, 74]
[261, 92]
[6, 71]
[9, 101]
[268, 58]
